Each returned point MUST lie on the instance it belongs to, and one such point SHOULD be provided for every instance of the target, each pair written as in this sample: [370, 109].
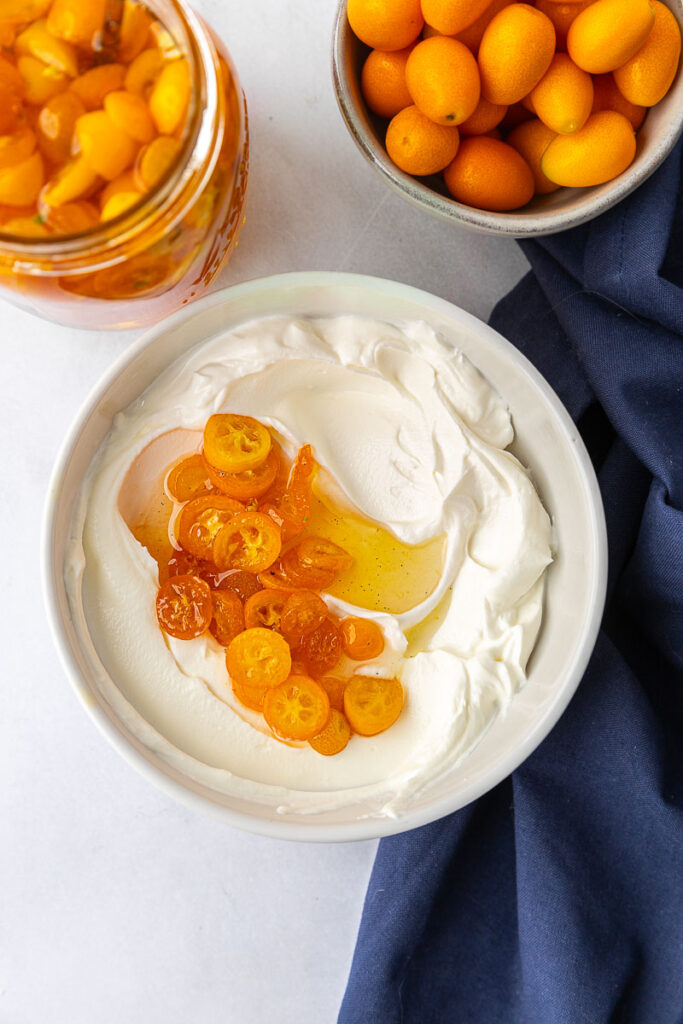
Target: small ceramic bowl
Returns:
[546, 441]
[544, 215]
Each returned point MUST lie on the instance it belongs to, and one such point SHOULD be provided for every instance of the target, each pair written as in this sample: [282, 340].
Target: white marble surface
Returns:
[115, 903]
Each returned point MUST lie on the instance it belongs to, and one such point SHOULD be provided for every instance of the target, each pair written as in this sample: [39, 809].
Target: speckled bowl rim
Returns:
[515, 225]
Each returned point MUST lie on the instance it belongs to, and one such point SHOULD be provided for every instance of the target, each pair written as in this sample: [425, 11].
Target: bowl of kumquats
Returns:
[511, 118]
[324, 556]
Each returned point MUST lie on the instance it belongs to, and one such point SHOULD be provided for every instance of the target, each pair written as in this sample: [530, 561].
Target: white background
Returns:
[117, 905]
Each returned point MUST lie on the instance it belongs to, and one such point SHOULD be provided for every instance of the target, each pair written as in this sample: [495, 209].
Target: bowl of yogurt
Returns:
[484, 563]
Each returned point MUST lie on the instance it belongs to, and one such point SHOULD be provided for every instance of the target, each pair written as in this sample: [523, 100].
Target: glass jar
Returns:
[164, 251]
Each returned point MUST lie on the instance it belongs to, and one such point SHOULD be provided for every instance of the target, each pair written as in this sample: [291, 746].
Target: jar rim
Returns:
[195, 146]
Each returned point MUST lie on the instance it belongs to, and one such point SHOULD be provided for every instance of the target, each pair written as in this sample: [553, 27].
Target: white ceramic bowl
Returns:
[544, 215]
[546, 441]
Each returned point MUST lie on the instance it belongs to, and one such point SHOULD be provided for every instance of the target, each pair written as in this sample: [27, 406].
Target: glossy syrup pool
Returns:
[386, 576]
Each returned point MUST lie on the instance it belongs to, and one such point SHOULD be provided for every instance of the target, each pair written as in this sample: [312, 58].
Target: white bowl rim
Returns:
[532, 224]
[372, 827]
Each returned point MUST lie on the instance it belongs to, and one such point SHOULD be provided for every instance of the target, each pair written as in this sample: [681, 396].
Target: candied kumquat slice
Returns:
[21, 183]
[250, 541]
[304, 611]
[334, 736]
[321, 649]
[264, 608]
[372, 704]
[316, 562]
[78, 21]
[142, 72]
[107, 149]
[188, 478]
[184, 607]
[134, 31]
[334, 688]
[38, 42]
[228, 616]
[74, 180]
[297, 709]
[41, 82]
[363, 639]
[250, 483]
[295, 504]
[244, 583]
[119, 203]
[93, 86]
[235, 443]
[258, 657]
[129, 113]
[251, 696]
[154, 160]
[182, 563]
[170, 96]
[16, 147]
[202, 519]
[71, 218]
[56, 123]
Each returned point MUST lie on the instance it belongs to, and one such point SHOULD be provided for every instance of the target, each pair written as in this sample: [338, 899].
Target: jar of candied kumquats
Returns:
[123, 158]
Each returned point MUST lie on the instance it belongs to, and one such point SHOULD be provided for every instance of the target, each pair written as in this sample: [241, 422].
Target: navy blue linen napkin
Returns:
[557, 898]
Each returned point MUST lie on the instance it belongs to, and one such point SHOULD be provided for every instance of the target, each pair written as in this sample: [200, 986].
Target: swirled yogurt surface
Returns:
[416, 440]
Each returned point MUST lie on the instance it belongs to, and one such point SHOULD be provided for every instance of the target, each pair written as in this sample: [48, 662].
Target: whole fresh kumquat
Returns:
[334, 736]
[485, 118]
[563, 99]
[385, 24]
[474, 33]
[443, 80]
[419, 146]
[646, 78]
[561, 15]
[383, 82]
[452, 16]
[489, 175]
[608, 33]
[531, 139]
[606, 96]
[515, 52]
[603, 148]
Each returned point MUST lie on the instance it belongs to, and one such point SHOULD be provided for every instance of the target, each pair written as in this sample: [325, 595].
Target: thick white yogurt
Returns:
[416, 439]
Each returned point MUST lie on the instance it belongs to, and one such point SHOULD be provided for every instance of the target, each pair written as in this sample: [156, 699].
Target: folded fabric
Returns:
[557, 898]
